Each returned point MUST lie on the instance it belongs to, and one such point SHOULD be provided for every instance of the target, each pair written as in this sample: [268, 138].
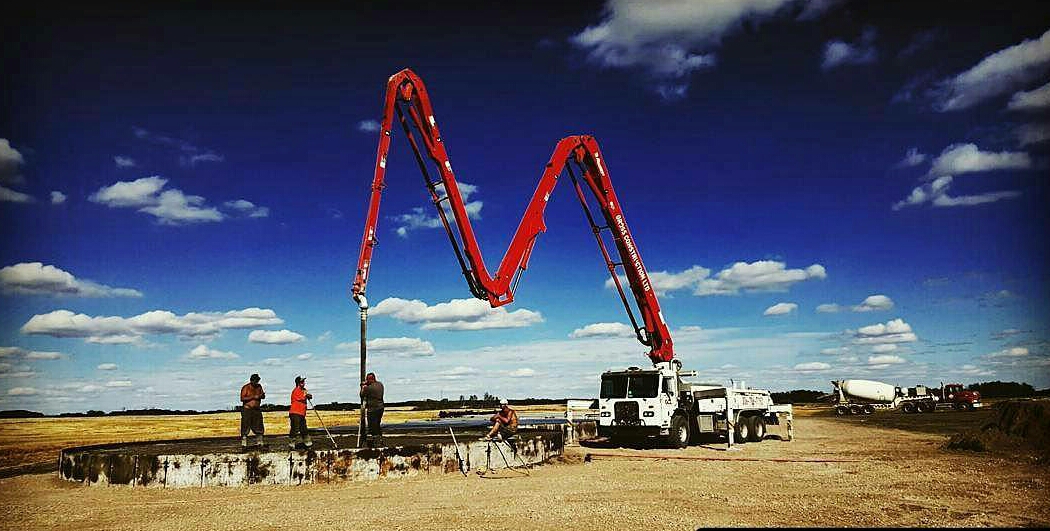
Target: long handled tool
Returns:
[456, 444]
[322, 423]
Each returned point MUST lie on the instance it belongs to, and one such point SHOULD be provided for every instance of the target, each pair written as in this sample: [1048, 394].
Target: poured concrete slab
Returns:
[409, 450]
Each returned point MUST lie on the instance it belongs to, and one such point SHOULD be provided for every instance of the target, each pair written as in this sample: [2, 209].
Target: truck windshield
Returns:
[634, 386]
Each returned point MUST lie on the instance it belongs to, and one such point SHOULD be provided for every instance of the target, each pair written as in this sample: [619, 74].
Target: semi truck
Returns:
[864, 397]
[654, 401]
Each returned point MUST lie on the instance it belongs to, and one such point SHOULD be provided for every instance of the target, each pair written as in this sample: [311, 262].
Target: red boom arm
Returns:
[406, 97]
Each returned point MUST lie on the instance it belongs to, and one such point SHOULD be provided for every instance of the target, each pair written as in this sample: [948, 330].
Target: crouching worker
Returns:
[297, 434]
[251, 415]
[504, 422]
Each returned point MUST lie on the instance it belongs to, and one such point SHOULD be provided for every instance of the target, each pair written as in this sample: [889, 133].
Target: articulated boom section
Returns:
[407, 100]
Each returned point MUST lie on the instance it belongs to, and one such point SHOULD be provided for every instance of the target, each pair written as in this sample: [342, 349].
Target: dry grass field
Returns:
[885, 470]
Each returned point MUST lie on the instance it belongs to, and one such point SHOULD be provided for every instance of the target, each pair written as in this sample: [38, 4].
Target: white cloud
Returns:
[835, 351]
[1028, 134]
[420, 219]
[124, 162]
[886, 359]
[119, 383]
[57, 198]
[273, 362]
[19, 352]
[671, 41]
[10, 162]
[829, 308]
[762, 275]
[1014, 352]
[967, 158]
[838, 53]
[523, 372]
[911, 158]
[893, 331]
[22, 391]
[35, 278]
[1031, 100]
[304, 356]
[368, 126]
[883, 348]
[189, 154]
[456, 314]
[107, 366]
[936, 193]
[874, 303]
[1004, 71]
[411, 347]
[813, 366]
[11, 196]
[780, 308]
[202, 352]
[275, 337]
[603, 330]
[456, 373]
[248, 208]
[64, 323]
[170, 207]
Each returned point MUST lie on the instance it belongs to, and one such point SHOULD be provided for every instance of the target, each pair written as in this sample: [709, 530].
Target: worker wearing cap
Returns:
[504, 422]
[372, 401]
[251, 414]
[297, 415]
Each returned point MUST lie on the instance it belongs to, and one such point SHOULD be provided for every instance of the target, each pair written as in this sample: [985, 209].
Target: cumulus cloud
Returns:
[275, 337]
[368, 126]
[107, 366]
[780, 308]
[456, 314]
[1002, 72]
[957, 159]
[57, 198]
[1014, 352]
[19, 352]
[304, 356]
[603, 330]
[911, 158]
[22, 391]
[119, 383]
[409, 347]
[419, 218]
[35, 278]
[936, 194]
[672, 41]
[11, 162]
[762, 275]
[248, 208]
[884, 348]
[829, 308]
[812, 366]
[202, 352]
[64, 323]
[886, 359]
[189, 154]
[523, 372]
[1029, 134]
[874, 303]
[456, 373]
[893, 331]
[124, 162]
[838, 53]
[170, 207]
[1032, 100]
[11, 196]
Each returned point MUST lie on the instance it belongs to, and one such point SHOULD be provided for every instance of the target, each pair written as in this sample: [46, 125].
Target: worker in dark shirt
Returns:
[372, 401]
[251, 414]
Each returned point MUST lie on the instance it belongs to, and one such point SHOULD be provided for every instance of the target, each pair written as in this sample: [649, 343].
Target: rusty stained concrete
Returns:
[221, 461]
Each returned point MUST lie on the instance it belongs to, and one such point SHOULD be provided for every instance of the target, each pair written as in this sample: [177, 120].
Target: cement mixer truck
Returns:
[864, 397]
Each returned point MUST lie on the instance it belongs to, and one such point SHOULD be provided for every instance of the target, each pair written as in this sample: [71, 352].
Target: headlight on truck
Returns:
[648, 413]
[606, 414]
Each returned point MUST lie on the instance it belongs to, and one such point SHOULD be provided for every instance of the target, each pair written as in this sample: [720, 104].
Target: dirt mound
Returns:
[1018, 425]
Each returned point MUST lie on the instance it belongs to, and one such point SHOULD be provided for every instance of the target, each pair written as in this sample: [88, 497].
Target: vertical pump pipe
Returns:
[362, 302]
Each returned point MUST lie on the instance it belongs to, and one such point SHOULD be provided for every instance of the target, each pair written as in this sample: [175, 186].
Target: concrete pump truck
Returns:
[635, 402]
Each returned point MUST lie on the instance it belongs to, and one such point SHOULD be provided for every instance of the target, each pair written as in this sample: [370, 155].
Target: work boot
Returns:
[379, 441]
[307, 442]
[259, 441]
[244, 442]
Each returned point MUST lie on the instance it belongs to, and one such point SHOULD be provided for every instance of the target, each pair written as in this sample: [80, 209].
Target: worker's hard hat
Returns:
[503, 402]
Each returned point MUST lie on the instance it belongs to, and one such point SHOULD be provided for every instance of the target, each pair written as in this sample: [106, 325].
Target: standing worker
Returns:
[251, 414]
[504, 422]
[297, 415]
[372, 401]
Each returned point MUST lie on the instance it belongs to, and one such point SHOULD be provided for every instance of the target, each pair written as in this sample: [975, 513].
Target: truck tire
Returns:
[960, 406]
[678, 435]
[868, 409]
[758, 428]
[841, 411]
[855, 409]
[926, 407]
[742, 430]
[908, 408]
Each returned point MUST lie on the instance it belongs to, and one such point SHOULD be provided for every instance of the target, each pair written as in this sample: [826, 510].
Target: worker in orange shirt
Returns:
[297, 415]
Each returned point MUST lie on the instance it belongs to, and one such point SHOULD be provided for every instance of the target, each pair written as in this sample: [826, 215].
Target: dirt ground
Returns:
[897, 474]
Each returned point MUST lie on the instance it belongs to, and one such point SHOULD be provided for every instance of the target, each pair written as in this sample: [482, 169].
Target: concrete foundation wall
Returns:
[138, 465]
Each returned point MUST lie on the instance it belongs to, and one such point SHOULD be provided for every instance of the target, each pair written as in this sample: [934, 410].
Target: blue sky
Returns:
[820, 190]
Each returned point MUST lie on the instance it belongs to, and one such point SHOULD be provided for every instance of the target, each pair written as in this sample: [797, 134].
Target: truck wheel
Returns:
[841, 411]
[758, 429]
[868, 409]
[960, 407]
[678, 435]
[926, 407]
[969, 407]
[742, 430]
[855, 410]
[908, 407]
